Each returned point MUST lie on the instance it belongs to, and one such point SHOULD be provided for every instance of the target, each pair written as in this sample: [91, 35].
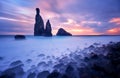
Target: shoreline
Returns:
[71, 64]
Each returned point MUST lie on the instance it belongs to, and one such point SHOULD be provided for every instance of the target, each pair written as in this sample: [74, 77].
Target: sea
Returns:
[34, 50]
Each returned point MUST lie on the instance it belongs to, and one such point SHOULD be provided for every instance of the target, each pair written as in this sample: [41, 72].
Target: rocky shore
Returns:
[95, 62]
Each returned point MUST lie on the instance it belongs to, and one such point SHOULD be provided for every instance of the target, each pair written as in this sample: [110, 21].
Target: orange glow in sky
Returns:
[79, 17]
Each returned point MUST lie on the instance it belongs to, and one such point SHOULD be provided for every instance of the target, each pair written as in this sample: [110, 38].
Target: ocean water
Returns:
[35, 50]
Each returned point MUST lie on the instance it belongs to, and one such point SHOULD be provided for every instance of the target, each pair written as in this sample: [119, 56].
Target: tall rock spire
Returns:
[48, 29]
[39, 24]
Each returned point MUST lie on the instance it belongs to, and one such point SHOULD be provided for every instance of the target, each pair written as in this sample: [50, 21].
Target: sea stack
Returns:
[48, 29]
[62, 32]
[39, 24]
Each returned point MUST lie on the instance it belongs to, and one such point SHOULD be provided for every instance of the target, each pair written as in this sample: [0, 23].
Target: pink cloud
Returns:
[115, 20]
[114, 31]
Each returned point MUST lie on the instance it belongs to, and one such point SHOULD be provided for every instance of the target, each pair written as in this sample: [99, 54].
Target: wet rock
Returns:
[28, 60]
[70, 71]
[12, 72]
[84, 72]
[41, 55]
[54, 74]
[41, 64]
[33, 69]
[114, 53]
[114, 57]
[62, 32]
[93, 55]
[39, 24]
[16, 63]
[8, 75]
[64, 76]
[31, 75]
[1, 58]
[48, 30]
[60, 67]
[43, 74]
[17, 37]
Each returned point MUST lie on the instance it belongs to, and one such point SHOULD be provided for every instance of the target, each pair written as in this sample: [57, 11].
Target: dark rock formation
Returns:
[43, 74]
[96, 65]
[1, 58]
[16, 63]
[31, 75]
[62, 32]
[28, 60]
[39, 24]
[54, 74]
[70, 72]
[19, 37]
[13, 72]
[48, 30]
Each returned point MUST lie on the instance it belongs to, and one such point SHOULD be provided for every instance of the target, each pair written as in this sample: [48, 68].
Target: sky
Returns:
[79, 17]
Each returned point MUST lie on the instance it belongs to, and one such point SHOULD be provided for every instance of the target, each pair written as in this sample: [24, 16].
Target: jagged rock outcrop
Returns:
[39, 24]
[48, 30]
[62, 32]
[39, 27]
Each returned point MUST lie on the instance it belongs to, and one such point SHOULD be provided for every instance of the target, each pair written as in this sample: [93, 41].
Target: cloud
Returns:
[114, 31]
[115, 20]
[14, 27]
[76, 16]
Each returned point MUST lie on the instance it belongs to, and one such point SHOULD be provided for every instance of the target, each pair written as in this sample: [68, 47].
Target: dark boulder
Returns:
[64, 76]
[62, 32]
[13, 72]
[39, 24]
[8, 75]
[19, 37]
[48, 30]
[31, 75]
[16, 63]
[43, 74]
[54, 74]
[28, 60]
[70, 72]
[1, 58]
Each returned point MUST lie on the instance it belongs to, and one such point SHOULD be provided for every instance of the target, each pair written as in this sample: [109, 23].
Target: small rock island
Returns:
[62, 32]
[19, 37]
[39, 29]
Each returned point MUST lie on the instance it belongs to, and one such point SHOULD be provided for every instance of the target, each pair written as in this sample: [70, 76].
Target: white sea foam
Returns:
[45, 51]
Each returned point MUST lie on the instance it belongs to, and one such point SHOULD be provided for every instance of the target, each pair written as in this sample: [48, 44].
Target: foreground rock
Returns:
[43, 74]
[19, 37]
[62, 32]
[94, 65]
[16, 71]
[31, 75]
[16, 63]
[1, 58]
[97, 65]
